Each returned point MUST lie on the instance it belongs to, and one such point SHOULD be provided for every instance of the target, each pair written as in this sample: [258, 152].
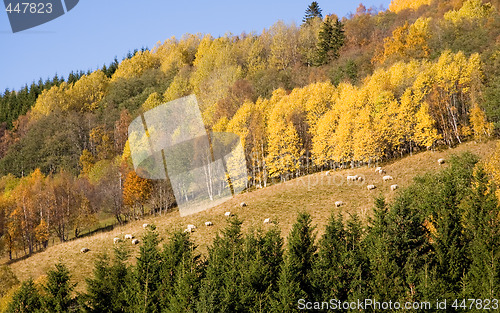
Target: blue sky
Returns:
[96, 31]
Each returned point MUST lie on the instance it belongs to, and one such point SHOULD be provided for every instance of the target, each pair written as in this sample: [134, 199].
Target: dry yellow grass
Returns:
[314, 193]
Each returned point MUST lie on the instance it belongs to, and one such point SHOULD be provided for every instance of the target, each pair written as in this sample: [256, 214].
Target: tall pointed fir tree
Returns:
[107, 289]
[384, 281]
[355, 260]
[330, 39]
[181, 274]
[58, 298]
[220, 289]
[330, 281]
[296, 278]
[482, 214]
[312, 11]
[145, 286]
[449, 239]
[408, 244]
[26, 300]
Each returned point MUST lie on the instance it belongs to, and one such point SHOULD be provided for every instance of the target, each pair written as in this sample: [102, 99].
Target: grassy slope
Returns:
[315, 193]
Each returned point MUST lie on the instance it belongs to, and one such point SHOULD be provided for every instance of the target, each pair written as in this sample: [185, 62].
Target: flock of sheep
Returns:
[350, 178]
[189, 229]
[379, 170]
[354, 178]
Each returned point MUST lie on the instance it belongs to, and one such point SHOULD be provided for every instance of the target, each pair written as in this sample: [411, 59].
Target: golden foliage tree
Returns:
[408, 41]
[136, 191]
[399, 5]
[284, 46]
[284, 154]
[136, 66]
[480, 125]
[42, 232]
[425, 131]
[87, 92]
[471, 9]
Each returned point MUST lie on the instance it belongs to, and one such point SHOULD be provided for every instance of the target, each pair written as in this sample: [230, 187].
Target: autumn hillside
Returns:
[401, 87]
[315, 194]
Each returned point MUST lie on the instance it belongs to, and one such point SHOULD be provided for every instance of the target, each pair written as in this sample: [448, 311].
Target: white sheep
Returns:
[360, 178]
[116, 240]
[352, 177]
[135, 241]
[377, 169]
[243, 204]
[394, 187]
[129, 236]
[387, 177]
[327, 173]
[145, 225]
[208, 223]
[338, 203]
[228, 214]
[267, 221]
[381, 171]
[191, 227]
[441, 161]
[84, 250]
[370, 187]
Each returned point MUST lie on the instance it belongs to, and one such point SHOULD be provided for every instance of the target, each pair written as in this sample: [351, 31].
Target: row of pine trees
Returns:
[439, 239]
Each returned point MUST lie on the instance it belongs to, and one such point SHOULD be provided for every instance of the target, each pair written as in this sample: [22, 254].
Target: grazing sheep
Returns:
[381, 171]
[208, 224]
[352, 177]
[145, 225]
[135, 241]
[360, 178]
[243, 204]
[84, 250]
[441, 161]
[377, 169]
[370, 187]
[267, 221]
[327, 173]
[338, 203]
[228, 214]
[394, 187]
[387, 177]
[191, 227]
[116, 240]
[129, 236]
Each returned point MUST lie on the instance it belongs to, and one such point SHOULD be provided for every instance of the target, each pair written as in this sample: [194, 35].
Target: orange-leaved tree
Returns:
[136, 191]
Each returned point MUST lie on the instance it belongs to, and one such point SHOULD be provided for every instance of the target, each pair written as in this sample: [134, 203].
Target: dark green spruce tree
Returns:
[451, 187]
[144, 293]
[99, 295]
[355, 260]
[408, 244]
[221, 288]
[330, 275]
[481, 217]
[59, 289]
[312, 11]
[181, 274]
[26, 299]
[107, 290]
[330, 39]
[296, 279]
[263, 255]
[384, 283]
